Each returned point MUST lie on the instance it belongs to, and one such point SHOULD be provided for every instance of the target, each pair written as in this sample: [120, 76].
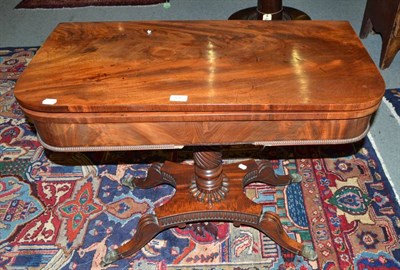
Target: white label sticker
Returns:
[49, 101]
[178, 98]
[242, 166]
[267, 17]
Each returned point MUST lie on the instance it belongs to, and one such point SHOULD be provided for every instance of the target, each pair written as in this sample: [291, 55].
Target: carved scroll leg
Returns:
[271, 226]
[155, 177]
[147, 229]
[266, 174]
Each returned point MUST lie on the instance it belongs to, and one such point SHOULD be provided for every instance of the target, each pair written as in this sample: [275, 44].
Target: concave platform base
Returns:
[192, 201]
[252, 13]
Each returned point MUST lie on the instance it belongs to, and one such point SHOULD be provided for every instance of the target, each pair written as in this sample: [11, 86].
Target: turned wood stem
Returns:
[273, 7]
[208, 170]
[209, 183]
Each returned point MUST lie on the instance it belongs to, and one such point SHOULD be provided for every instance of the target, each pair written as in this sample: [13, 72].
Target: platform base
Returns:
[191, 205]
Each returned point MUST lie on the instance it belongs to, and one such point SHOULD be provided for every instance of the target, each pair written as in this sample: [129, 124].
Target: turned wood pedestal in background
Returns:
[269, 10]
[159, 85]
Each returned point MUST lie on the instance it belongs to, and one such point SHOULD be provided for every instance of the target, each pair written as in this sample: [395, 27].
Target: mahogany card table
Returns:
[106, 86]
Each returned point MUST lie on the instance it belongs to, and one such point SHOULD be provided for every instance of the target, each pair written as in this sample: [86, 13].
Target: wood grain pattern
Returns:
[219, 65]
[196, 133]
[246, 81]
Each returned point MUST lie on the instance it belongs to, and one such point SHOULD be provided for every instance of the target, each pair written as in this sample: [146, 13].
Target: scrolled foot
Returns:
[296, 178]
[110, 257]
[264, 173]
[155, 177]
[309, 253]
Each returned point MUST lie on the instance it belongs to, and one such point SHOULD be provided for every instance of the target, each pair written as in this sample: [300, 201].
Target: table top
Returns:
[201, 66]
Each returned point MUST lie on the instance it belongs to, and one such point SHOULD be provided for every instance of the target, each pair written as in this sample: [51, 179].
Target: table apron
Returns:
[161, 135]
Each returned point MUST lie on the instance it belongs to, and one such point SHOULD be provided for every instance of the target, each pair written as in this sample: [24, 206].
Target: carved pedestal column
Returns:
[209, 184]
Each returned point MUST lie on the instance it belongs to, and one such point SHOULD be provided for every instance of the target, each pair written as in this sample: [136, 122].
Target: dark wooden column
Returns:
[209, 184]
[269, 10]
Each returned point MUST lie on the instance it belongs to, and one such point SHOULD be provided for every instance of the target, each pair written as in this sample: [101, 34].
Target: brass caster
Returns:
[127, 181]
[110, 257]
[309, 253]
[296, 178]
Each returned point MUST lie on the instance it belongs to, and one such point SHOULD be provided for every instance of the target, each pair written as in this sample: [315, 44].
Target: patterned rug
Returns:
[83, 3]
[392, 99]
[63, 211]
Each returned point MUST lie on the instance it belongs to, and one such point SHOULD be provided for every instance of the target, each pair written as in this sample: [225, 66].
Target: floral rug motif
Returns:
[63, 211]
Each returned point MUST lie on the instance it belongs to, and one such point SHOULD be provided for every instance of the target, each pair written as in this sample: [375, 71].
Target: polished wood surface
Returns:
[305, 80]
[220, 65]
[197, 133]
